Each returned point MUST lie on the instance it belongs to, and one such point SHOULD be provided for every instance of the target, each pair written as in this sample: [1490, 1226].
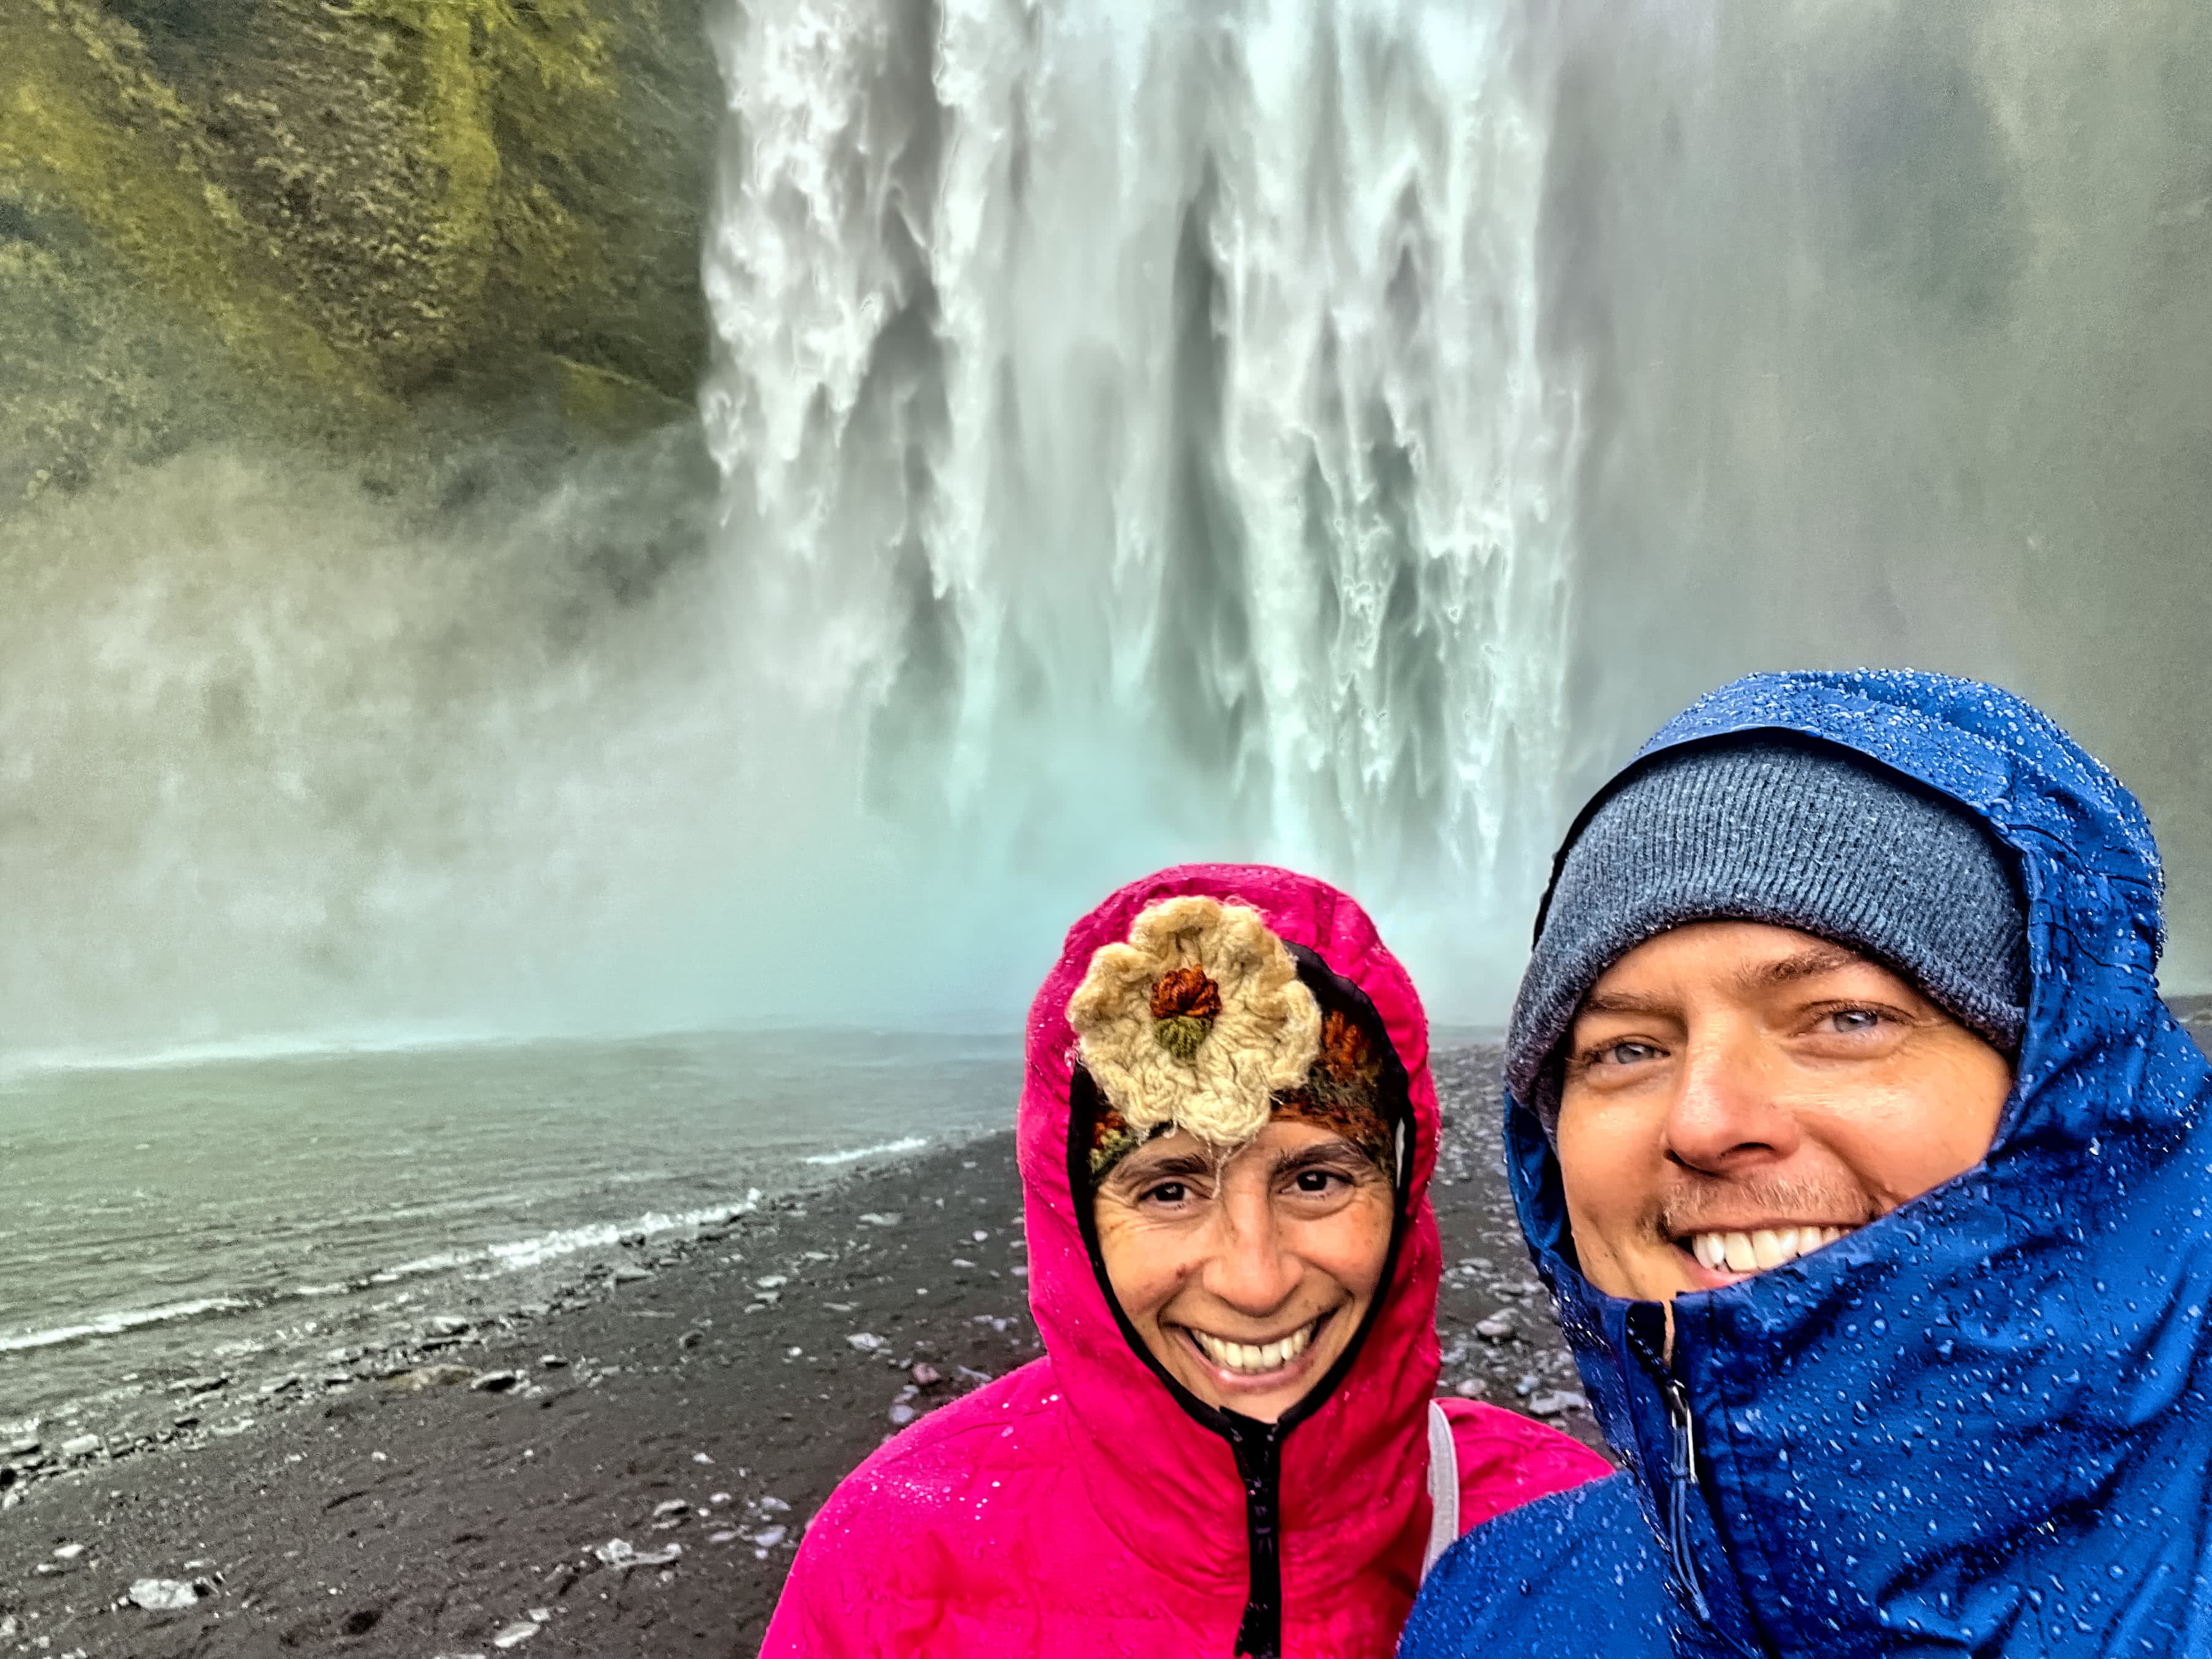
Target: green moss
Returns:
[86, 121]
[369, 206]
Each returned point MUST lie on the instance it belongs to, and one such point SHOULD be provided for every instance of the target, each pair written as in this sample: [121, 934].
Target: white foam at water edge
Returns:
[114, 1324]
[911, 1144]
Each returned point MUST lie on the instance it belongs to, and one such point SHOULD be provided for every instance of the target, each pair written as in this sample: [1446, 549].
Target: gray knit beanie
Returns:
[1797, 833]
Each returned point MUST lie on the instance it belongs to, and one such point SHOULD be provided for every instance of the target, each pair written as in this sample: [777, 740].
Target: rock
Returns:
[373, 205]
[769, 1537]
[447, 1325]
[926, 1374]
[276, 1385]
[622, 1553]
[883, 1218]
[626, 1274]
[415, 1379]
[82, 1445]
[1498, 1328]
[493, 1382]
[515, 1635]
[552, 1362]
[901, 1415]
[672, 1506]
[773, 1503]
[69, 1552]
[867, 1342]
[167, 1594]
[690, 1339]
[772, 1281]
[1556, 1405]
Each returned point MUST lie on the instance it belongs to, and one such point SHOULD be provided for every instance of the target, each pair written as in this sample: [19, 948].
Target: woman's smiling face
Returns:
[1246, 1276]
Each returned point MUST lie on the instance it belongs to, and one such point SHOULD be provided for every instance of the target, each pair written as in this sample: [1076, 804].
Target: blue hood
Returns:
[1979, 1425]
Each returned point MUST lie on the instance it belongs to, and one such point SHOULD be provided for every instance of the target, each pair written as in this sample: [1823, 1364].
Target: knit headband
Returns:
[1199, 1023]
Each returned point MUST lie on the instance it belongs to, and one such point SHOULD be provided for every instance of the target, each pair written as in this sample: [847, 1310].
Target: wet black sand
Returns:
[692, 1407]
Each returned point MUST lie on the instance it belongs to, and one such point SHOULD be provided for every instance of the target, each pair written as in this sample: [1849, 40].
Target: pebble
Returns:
[1498, 1328]
[82, 1445]
[166, 1594]
[1555, 1405]
[493, 1382]
[883, 1218]
[927, 1374]
[866, 1341]
[621, 1552]
[515, 1635]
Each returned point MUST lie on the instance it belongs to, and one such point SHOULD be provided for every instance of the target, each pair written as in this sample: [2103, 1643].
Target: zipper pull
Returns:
[1682, 1481]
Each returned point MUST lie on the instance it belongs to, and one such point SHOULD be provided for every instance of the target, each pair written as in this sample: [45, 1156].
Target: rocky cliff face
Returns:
[327, 217]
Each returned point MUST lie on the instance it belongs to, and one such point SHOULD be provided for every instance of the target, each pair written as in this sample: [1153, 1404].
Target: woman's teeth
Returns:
[1247, 1360]
[1751, 1253]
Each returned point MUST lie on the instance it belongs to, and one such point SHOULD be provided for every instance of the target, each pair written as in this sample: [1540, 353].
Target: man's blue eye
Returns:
[1855, 1019]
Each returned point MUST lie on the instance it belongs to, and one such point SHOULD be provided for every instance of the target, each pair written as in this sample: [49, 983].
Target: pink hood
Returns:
[1079, 1506]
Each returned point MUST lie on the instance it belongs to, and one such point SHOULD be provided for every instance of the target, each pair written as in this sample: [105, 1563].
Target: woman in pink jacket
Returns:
[1229, 1446]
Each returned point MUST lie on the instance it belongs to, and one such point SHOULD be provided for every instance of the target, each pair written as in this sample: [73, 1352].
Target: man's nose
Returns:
[1251, 1268]
[1727, 1112]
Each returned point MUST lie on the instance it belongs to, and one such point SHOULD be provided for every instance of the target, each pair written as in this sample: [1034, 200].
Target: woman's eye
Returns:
[1168, 1192]
[1317, 1181]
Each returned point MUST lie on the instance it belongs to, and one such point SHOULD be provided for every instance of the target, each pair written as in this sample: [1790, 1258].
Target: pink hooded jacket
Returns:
[1079, 1506]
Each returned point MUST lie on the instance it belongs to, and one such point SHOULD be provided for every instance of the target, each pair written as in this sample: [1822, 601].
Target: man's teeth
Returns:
[1250, 1361]
[1770, 1247]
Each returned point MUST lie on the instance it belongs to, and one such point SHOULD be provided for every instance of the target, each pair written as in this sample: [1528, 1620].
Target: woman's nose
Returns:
[1251, 1268]
[1727, 1112]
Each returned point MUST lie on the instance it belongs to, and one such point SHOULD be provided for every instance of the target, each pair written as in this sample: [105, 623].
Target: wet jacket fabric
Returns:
[1981, 1424]
[1075, 1508]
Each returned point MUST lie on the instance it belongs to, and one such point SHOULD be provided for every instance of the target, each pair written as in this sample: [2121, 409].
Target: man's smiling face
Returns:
[1736, 1095]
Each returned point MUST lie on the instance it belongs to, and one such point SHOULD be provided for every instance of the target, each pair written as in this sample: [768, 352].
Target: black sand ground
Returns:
[706, 1405]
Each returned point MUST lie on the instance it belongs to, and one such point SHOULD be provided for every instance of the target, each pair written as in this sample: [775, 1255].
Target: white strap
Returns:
[1444, 1488]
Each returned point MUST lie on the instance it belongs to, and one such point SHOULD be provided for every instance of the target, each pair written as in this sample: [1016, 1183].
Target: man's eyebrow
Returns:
[1813, 960]
[1625, 1002]
[1808, 964]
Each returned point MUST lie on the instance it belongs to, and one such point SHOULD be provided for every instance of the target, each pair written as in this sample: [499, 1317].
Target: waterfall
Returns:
[1135, 437]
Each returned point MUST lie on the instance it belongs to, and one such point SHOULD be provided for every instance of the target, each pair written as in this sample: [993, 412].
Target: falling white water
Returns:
[1135, 435]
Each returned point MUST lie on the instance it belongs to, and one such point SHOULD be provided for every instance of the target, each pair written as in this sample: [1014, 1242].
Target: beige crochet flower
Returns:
[1196, 1021]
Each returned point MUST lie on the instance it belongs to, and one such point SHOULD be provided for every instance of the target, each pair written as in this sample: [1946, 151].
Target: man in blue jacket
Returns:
[1873, 1182]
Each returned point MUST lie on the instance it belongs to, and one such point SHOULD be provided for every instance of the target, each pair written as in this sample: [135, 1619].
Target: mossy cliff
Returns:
[318, 216]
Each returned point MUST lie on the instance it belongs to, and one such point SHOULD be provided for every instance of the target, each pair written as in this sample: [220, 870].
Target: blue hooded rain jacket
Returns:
[1982, 1424]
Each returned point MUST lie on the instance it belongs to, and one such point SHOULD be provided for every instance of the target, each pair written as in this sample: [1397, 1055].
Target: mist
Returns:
[1331, 433]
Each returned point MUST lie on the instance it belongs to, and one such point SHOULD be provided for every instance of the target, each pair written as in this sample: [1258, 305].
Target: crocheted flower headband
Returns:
[1199, 1023]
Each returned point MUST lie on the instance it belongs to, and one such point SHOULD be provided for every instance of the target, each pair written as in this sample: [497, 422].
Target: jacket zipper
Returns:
[1682, 1482]
[1260, 1466]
